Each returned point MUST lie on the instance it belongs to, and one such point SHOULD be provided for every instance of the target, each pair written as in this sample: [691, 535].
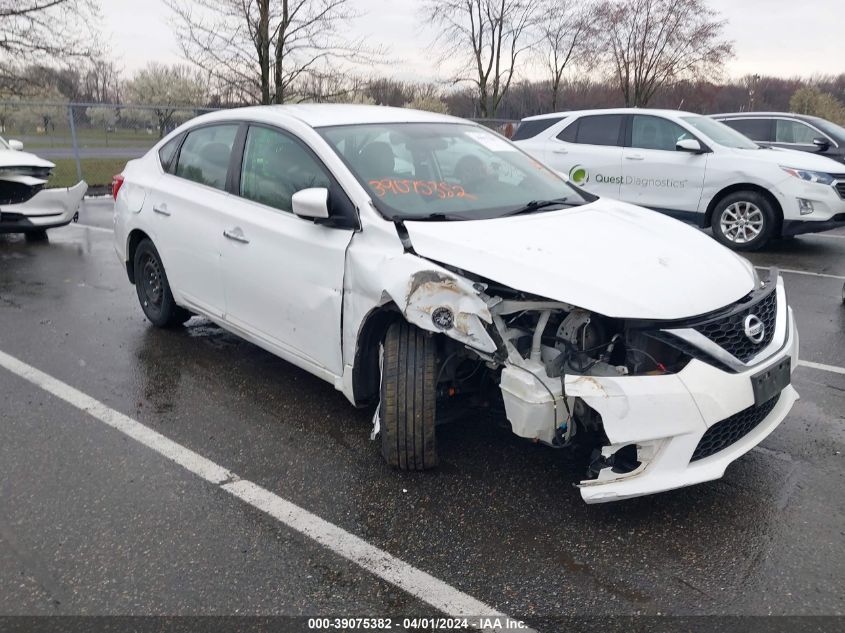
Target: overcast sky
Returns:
[777, 37]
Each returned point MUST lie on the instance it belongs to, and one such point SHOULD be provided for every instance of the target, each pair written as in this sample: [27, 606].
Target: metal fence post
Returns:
[75, 143]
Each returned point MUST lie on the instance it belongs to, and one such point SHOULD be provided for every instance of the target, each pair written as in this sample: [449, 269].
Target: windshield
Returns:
[720, 133]
[836, 131]
[447, 171]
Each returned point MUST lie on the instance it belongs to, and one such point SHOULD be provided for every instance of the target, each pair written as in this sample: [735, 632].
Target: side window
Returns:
[756, 129]
[276, 166]
[651, 132]
[168, 152]
[204, 156]
[794, 132]
[530, 129]
[602, 129]
[570, 133]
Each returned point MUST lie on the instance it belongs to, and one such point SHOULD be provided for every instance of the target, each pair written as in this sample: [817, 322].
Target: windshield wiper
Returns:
[536, 205]
[431, 217]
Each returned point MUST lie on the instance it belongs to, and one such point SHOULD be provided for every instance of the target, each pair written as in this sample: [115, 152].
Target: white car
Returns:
[425, 263]
[692, 168]
[25, 206]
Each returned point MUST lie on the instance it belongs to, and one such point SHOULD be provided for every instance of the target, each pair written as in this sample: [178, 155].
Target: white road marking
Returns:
[802, 272]
[102, 229]
[828, 236]
[822, 367]
[408, 578]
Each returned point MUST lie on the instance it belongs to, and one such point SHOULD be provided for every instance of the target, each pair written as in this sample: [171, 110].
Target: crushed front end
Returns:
[661, 405]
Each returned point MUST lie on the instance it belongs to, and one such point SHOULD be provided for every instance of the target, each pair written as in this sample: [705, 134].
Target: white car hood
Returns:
[608, 257]
[9, 158]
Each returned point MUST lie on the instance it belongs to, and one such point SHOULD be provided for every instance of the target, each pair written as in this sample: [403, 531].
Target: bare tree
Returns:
[567, 35]
[654, 43]
[261, 50]
[101, 83]
[486, 38]
[39, 32]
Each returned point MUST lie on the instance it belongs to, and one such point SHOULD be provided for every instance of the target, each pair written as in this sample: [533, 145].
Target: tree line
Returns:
[498, 59]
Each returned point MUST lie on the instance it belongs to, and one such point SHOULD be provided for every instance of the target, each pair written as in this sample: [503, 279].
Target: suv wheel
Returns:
[744, 221]
[154, 290]
[408, 398]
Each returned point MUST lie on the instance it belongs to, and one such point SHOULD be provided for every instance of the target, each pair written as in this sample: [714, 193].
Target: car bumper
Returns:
[667, 417]
[828, 207]
[47, 209]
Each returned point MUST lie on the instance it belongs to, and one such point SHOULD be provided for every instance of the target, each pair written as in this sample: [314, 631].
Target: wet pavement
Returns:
[94, 523]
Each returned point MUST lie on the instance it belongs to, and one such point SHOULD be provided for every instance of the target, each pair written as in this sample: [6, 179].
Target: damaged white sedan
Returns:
[25, 205]
[426, 264]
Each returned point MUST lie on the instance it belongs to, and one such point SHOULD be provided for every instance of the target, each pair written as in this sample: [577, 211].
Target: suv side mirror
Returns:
[311, 204]
[690, 145]
[822, 143]
[16, 145]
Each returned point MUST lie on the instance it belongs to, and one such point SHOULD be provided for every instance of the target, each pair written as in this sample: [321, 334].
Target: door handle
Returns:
[635, 157]
[161, 209]
[236, 234]
[560, 150]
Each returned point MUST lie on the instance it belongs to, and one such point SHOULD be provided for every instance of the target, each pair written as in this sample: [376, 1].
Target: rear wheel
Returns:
[744, 221]
[153, 288]
[408, 398]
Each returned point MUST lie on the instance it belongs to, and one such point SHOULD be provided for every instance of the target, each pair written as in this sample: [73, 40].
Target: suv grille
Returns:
[840, 184]
[729, 332]
[730, 430]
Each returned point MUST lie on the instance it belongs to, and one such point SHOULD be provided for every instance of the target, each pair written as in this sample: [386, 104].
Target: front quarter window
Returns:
[445, 171]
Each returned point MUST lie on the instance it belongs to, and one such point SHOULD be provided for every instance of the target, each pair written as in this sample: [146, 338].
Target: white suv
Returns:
[692, 168]
[426, 264]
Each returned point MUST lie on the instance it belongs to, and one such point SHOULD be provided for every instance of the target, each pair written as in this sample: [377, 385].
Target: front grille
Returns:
[729, 332]
[730, 430]
[690, 350]
[840, 187]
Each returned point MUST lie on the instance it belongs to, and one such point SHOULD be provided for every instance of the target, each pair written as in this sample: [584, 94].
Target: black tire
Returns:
[153, 289]
[36, 236]
[759, 216]
[408, 398]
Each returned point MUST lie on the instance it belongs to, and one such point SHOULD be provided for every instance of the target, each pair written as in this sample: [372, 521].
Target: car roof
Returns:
[571, 113]
[760, 114]
[328, 114]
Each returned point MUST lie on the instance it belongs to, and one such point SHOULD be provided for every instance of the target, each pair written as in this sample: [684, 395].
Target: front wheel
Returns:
[744, 221]
[153, 289]
[408, 398]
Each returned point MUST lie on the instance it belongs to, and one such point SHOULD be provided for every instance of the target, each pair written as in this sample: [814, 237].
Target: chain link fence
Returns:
[93, 141]
[89, 141]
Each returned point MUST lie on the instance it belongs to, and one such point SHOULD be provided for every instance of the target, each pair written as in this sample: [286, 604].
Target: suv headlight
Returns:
[810, 176]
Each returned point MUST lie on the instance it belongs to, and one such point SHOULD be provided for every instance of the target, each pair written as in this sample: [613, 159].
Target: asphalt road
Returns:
[92, 522]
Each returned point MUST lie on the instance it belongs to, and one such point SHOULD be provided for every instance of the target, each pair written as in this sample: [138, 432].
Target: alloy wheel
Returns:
[742, 222]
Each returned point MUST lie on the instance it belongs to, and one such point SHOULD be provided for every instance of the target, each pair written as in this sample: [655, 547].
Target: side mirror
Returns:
[690, 145]
[311, 204]
[16, 145]
[822, 143]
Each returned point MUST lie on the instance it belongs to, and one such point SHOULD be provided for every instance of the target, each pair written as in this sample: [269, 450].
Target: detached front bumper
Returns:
[47, 209]
[667, 417]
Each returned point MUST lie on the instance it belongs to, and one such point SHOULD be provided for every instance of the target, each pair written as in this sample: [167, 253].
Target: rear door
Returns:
[589, 151]
[283, 274]
[655, 173]
[187, 207]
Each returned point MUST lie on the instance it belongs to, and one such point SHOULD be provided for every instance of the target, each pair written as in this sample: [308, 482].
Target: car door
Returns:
[589, 151]
[187, 210]
[655, 173]
[283, 274]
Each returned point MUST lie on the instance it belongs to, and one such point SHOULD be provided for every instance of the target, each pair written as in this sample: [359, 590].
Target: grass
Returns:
[95, 171]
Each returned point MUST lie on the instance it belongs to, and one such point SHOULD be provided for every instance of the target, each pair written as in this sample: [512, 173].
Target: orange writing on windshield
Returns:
[403, 187]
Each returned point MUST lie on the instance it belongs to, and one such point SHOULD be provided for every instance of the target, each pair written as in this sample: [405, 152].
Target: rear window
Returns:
[530, 129]
[603, 129]
[756, 129]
